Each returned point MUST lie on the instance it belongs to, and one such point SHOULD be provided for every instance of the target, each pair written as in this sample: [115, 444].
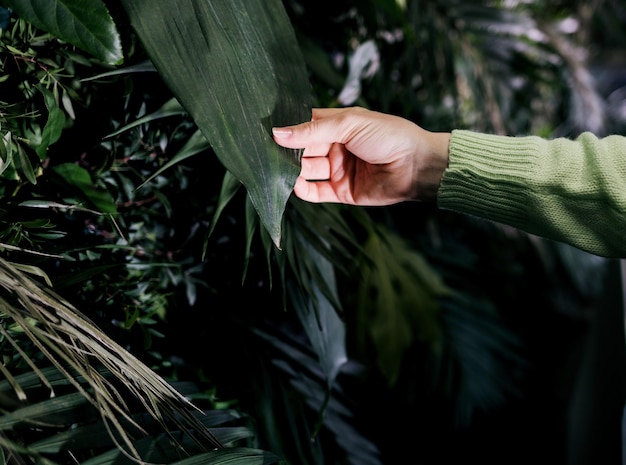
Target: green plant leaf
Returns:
[235, 65]
[196, 144]
[234, 456]
[230, 186]
[86, 24]
[398, 300]
[23, 164]
[54, 126]
[169, 108]
[322, 323]
[6, 152]
[80, 178]
[52, 411]
[159, 450]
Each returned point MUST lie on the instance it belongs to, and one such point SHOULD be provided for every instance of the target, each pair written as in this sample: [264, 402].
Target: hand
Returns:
[357, 156]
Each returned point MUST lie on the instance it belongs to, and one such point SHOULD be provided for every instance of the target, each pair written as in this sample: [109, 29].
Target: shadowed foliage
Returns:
[146, 308]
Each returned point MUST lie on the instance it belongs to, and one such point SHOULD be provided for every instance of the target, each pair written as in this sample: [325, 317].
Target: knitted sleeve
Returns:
[573, 191]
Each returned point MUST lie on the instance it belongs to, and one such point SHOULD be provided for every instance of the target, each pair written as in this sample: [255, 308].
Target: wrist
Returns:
[434, 161]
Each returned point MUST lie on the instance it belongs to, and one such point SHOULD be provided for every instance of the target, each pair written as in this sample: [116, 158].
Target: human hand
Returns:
[357, 156]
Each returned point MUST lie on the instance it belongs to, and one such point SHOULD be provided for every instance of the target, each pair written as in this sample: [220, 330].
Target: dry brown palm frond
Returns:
[79, 349]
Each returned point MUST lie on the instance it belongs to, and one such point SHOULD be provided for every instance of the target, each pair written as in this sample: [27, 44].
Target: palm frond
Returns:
[67, 424]
[77, 348]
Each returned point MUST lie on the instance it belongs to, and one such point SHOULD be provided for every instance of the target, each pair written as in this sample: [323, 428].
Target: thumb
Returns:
[323, 129]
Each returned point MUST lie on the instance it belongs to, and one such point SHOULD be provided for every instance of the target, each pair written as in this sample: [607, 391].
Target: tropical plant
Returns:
[147, 194]
[75, 347]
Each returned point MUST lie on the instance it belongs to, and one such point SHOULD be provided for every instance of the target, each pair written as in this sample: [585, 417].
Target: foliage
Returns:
[249, 59]
[114, 269]
[112, 197]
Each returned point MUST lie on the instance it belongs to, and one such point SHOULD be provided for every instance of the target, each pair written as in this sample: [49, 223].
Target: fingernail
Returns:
[282, 132]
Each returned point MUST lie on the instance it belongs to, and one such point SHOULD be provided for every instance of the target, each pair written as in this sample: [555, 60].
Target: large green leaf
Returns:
[236, 67]
[86, 24]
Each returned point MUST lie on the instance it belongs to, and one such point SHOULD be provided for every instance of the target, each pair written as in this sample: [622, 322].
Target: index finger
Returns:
[323, 130]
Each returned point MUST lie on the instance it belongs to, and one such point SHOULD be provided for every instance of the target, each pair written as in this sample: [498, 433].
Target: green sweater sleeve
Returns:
[572, 191]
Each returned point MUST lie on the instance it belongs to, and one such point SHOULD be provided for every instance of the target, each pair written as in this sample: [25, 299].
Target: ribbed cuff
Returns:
[489, 176]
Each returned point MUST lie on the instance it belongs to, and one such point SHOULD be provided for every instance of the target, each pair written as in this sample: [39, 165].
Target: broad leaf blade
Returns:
[86, 24]
[236, 67]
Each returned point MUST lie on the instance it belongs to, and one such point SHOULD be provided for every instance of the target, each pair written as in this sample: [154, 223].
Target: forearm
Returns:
[572, 191]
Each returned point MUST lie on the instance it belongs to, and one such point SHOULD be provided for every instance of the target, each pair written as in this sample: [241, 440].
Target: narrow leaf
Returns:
[230, 186]
[54, 126]
[236, 67]
[56, 410]
[6, 152]
[143, 67]
[169, 108]
[234, 456]
[24, 165]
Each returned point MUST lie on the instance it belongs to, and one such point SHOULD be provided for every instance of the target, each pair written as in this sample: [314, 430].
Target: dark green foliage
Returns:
[113, 197]
[85, 24]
